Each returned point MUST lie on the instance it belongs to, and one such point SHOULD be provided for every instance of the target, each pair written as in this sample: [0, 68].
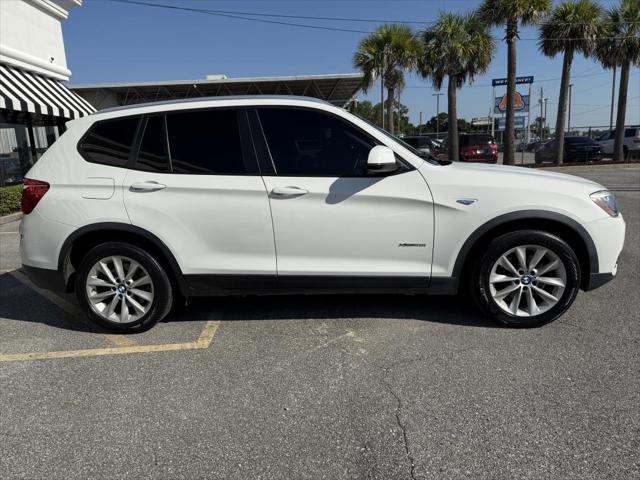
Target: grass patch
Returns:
[10, 199]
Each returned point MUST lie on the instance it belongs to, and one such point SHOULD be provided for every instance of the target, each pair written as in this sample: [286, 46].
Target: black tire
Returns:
[163, 292]
[480, 287]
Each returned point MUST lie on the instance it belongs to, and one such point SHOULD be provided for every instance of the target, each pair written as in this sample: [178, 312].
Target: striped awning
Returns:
[28, 92]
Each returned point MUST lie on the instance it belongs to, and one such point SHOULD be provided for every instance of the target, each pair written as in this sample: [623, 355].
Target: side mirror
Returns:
[381, 160]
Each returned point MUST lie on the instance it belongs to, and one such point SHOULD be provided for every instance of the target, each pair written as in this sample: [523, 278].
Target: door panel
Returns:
[214, 224]
[330, 216]
[213, 210]
[372, 226]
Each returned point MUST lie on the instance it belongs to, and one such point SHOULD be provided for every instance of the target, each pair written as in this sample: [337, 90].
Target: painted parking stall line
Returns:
[74, 311]
[203, 342]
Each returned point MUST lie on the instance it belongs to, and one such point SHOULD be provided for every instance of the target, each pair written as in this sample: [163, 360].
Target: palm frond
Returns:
[574, 26]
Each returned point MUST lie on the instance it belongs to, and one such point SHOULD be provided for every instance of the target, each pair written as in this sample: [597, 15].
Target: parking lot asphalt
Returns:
[384, 387]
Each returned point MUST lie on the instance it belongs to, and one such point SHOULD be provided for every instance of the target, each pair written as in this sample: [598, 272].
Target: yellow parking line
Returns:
[118, 340]
[203, 342]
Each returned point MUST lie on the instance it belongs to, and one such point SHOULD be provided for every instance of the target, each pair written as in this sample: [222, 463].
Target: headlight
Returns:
[606, 201]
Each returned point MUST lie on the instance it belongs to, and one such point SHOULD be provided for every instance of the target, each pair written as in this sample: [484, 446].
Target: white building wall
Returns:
[31, 35]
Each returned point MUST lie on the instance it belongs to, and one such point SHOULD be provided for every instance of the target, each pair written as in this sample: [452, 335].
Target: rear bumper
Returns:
[45, 278]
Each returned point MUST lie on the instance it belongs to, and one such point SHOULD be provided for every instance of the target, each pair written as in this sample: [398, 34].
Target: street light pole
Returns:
[545, 112]
[437, 95]
[569, 121]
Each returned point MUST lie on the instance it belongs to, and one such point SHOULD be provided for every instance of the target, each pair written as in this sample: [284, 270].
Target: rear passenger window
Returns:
[207, 142]
[152, 156]
[109, 142]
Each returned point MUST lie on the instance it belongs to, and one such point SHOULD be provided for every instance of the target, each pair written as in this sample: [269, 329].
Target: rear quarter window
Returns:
[109, 142]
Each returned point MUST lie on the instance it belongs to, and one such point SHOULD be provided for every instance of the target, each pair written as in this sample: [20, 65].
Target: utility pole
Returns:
[528, 134]
[545, 112]
[382, 95]
[492, 113]
[569, 121]
[420, 125]
[541, 114]
[613, 98]
[437, 95]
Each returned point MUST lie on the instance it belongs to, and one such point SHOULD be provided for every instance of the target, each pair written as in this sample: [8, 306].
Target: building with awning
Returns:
[338, 89]
[35, 103]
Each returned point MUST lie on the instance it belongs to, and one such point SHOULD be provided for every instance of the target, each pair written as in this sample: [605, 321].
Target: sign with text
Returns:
[521, 103]
[496, 82]
[519, 122]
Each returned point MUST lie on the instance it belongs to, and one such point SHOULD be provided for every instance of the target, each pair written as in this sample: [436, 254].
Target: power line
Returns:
[238, 17]
[603, 106]
[544, 80]
[337, 19]
[248, 16]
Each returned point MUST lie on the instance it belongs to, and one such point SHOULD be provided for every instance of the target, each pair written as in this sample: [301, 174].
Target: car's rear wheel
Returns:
[123, 288]
[526, 278]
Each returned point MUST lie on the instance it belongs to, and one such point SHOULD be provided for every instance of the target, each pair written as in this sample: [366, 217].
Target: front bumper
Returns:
[608, 237]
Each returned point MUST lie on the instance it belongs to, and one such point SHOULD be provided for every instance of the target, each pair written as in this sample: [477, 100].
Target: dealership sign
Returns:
[520, 102]
[518, 122]
[503, 81]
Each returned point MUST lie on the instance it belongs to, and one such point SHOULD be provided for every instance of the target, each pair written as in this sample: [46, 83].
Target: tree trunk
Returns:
[452, 134]
[618, 144]
[509, 131]
[562, 105]
[390, 98]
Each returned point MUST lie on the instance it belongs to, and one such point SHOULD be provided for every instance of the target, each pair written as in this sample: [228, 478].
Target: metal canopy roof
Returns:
[336, 89]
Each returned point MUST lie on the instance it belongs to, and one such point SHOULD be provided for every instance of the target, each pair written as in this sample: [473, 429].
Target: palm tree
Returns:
[619, 46]
[512, 13]
[384, 55]
[573, 27]
[459, 47]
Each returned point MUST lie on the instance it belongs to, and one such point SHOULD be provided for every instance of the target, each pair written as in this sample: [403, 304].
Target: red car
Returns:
[476, 147]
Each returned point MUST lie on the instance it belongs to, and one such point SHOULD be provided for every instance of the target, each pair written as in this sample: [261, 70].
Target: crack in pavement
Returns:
[403, 429]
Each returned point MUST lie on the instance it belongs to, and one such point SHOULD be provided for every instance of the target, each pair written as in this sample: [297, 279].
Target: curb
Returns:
[12, 217]
[580, 164]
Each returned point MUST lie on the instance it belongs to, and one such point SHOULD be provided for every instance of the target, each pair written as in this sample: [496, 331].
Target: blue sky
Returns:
[113, 42]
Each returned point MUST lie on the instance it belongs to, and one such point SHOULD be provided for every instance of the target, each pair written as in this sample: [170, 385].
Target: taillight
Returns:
[32, 193]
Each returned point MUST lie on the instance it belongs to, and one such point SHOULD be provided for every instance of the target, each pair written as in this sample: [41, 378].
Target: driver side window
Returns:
[312, 143]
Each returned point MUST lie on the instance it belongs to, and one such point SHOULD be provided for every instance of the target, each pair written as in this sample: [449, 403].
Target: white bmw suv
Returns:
[135, 207]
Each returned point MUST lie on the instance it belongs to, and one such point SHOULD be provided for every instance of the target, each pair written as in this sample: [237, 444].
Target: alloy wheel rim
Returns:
[527, 280]
[119, 289]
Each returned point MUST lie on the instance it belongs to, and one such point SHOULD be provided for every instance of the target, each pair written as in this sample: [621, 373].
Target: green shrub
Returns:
[10, 199]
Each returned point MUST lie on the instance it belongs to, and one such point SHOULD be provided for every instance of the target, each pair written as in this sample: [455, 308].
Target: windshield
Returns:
[426, 157]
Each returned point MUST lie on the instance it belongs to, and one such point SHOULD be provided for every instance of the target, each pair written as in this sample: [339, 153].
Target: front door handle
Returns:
[145, 187]
[287, 192]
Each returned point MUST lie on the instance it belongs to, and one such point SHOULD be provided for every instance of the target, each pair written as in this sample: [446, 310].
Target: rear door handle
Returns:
[145, 187]
[285, 192]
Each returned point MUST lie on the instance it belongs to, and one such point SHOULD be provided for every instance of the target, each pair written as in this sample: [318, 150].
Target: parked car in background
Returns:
[631, 143]
[527, 146]
[475, 147]
[576, 149]
[133, 207]
[423, 144]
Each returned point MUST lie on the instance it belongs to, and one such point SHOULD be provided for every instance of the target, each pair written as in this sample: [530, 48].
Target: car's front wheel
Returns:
[123, 288]
[526, 278]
